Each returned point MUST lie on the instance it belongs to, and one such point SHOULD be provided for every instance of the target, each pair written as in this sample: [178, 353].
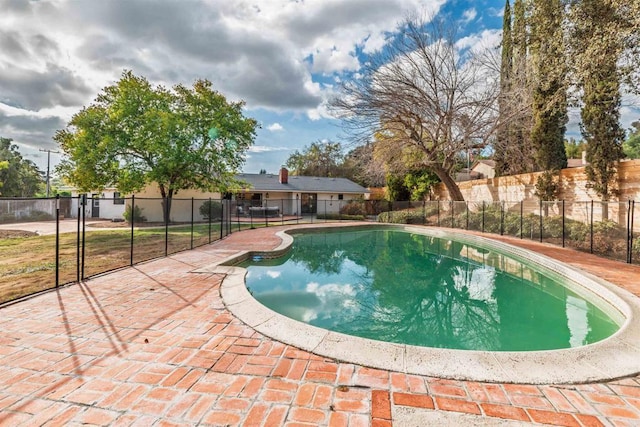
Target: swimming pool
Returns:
[396, 286]
[612, 357]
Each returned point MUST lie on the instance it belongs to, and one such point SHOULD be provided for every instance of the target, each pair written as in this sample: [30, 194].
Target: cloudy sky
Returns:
[283, 57]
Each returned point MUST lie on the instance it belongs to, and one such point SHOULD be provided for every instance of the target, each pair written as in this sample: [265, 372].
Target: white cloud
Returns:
[266, 149]
[275, 127]
[477, 42]
[469, 15]
[273, 274]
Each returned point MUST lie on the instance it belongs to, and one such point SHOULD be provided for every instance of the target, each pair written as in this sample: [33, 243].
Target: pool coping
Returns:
[612, 358]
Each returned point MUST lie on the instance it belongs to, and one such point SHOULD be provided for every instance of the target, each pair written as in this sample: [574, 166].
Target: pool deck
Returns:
[155, 345]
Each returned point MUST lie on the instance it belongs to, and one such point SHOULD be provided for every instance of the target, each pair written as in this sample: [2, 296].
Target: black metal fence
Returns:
[66, 240]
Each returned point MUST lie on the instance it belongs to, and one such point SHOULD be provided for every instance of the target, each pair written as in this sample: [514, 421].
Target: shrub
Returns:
[211, 206]
[353, 208]
[137, 214]
[409, 216]
[346, 217]
[376, 207]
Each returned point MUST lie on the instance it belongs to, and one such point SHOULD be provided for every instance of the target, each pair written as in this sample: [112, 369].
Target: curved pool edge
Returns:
[612, 358]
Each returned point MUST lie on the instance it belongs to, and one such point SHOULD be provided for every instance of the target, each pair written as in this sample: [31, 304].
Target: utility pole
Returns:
[48, 163]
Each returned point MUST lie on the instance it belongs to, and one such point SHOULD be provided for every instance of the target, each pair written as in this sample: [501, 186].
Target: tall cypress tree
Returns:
[596, 26]
[501, 155]
[514, 152]
[549, 85]
[522, 88]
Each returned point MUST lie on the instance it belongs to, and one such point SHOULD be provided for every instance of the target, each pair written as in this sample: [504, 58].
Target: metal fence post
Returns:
[84, 230]
[78, 241]
[282, 210]
[482, 216]
[628, 231]
[563, 223]
[591, 226]
[192, 223]
[424, 213]
[501, 218]
[132, 219]
[540, 220]
[325, 211]
[57, 240]
[210, 219]
[633, 209]
[166, 226]
[467, 203]
[452, 213]
[521, 217]
[438, 210]
[222, 209]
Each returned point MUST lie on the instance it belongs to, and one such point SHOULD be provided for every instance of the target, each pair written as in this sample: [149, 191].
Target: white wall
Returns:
[107, 208]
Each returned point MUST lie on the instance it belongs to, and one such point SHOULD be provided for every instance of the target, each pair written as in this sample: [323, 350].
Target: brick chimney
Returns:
[284, 175]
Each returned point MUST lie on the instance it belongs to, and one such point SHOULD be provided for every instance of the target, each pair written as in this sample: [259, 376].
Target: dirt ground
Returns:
[15, 234]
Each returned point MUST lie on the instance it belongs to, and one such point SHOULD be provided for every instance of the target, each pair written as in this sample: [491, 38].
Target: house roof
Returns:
[305, 184]
[490, 163]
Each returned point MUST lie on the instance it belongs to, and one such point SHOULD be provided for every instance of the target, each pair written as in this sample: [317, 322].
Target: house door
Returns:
[308, 203]
[95, 206]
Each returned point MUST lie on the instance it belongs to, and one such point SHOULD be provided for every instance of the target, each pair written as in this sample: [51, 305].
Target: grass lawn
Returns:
[27, 264]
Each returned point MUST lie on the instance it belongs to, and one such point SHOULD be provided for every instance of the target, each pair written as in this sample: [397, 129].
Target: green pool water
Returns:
[395, 286]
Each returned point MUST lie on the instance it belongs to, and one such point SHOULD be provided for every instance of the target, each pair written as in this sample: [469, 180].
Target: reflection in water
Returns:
[408, 288]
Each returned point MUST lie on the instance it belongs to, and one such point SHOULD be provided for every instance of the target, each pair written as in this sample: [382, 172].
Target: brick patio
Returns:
[154, 345]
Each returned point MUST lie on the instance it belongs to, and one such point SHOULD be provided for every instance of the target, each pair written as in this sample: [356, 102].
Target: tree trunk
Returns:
[166, 203]
[452, 187]
[605, 209]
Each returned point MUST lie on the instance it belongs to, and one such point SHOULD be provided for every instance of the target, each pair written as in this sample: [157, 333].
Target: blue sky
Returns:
[283, 57]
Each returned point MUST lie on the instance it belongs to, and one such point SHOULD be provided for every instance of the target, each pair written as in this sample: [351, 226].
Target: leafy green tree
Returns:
[631, 146]
[318, 159]
[19, 177]
[419, 183]
[3, 165]
[135, 134]
[595, 23]
[574, 148]
[397, 189]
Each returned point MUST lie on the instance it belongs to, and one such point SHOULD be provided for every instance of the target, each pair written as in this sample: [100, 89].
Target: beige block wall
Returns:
[573, 190]
[573, 186]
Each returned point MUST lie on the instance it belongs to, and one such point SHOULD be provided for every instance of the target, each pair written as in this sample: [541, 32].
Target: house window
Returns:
[340, 196]
[117, 200]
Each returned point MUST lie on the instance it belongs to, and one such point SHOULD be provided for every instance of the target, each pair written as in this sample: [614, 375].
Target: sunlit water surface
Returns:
[408, 288]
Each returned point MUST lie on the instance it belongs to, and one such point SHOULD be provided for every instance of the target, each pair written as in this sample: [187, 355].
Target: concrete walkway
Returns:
[44, 228]
[154, 345]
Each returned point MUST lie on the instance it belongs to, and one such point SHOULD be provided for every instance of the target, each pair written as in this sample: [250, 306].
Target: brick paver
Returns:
[154, 344]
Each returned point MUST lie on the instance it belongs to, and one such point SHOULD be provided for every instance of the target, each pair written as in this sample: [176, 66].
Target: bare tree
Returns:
[427, 93]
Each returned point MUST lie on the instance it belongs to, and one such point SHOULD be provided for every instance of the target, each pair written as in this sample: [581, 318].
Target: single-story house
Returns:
[295, 195]
[262, 194]
[486, 168]
[107, 204]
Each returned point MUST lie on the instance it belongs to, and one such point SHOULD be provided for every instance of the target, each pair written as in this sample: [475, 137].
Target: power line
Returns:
[48, 163]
